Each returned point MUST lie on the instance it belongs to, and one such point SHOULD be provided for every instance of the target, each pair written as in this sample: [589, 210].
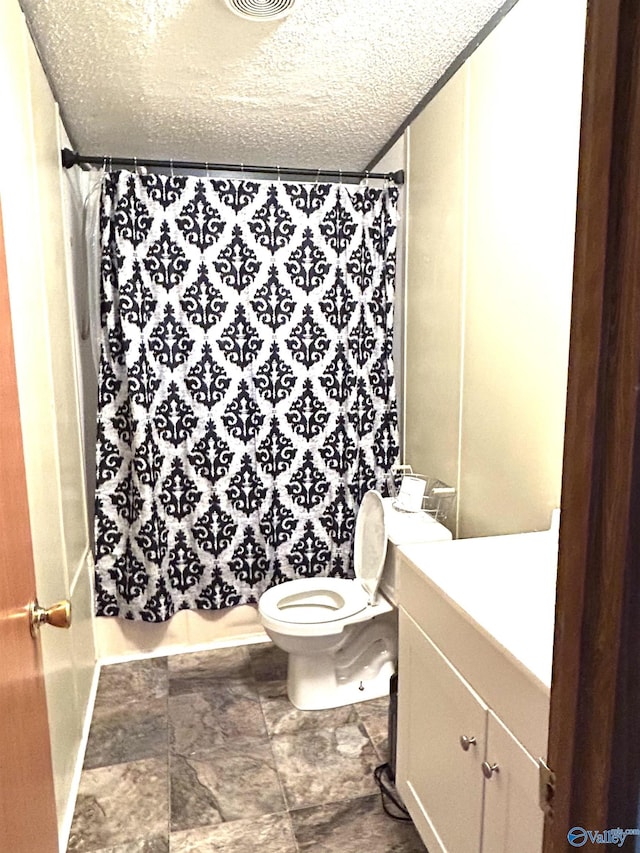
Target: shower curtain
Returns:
[246, 393]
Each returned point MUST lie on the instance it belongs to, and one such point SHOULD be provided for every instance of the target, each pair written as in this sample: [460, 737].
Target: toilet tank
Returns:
[405, 528]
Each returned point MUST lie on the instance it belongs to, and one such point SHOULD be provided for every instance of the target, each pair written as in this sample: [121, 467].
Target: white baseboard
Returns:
[65, 825]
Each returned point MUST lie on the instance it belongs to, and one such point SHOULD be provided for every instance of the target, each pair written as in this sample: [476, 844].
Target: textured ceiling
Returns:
[325, 87]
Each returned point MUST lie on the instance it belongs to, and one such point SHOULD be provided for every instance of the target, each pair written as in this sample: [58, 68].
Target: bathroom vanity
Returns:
[474, 672]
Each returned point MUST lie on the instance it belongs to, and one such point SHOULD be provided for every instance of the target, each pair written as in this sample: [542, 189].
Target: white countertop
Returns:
[505, 584]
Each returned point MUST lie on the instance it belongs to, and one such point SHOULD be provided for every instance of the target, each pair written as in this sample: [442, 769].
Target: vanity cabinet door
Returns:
[440, 782]
[513, 819]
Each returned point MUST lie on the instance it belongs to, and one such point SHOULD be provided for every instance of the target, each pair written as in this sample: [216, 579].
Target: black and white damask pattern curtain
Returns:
[246, 394]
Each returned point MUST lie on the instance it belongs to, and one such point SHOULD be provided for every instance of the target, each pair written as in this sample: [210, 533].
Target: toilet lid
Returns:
[370, 546]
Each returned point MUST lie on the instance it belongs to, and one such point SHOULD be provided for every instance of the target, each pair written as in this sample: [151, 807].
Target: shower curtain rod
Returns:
[72, 158]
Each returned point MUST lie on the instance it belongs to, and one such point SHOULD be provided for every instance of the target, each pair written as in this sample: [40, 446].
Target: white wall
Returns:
[492, 194]
[435, 281]
[42, 318]
[78, 189]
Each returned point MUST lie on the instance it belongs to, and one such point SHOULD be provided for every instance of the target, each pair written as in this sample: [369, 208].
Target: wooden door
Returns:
[27, 802]
[595, 695]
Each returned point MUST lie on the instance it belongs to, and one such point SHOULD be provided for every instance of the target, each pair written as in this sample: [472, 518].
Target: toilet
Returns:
[341, 634]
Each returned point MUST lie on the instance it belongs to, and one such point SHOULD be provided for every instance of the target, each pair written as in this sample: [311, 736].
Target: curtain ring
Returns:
[317, 176]
[206, 166]
[135, 165]
[171, 164]
[278, 167]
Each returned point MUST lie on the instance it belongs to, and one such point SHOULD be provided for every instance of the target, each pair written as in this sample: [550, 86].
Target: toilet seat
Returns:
[313, 600]
[305, 605]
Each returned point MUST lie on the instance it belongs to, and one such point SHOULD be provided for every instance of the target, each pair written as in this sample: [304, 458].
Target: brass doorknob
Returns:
[58, 615]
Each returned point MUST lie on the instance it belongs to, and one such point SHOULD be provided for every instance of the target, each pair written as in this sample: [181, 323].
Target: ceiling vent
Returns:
[260, 10]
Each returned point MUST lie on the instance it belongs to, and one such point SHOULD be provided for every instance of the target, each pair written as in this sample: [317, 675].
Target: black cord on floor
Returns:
[382, 775]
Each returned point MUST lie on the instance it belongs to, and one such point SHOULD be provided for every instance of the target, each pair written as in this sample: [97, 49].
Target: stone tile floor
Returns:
[204, 752]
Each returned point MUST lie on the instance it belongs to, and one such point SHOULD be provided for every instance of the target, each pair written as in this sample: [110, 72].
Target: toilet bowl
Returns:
[341, 634]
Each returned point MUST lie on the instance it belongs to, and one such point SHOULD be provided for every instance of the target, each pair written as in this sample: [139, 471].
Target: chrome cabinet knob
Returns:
[489, 769]
[466, 742]
[58, 615]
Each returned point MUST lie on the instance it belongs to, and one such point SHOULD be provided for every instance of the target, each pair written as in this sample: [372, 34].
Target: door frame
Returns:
[594, 692]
